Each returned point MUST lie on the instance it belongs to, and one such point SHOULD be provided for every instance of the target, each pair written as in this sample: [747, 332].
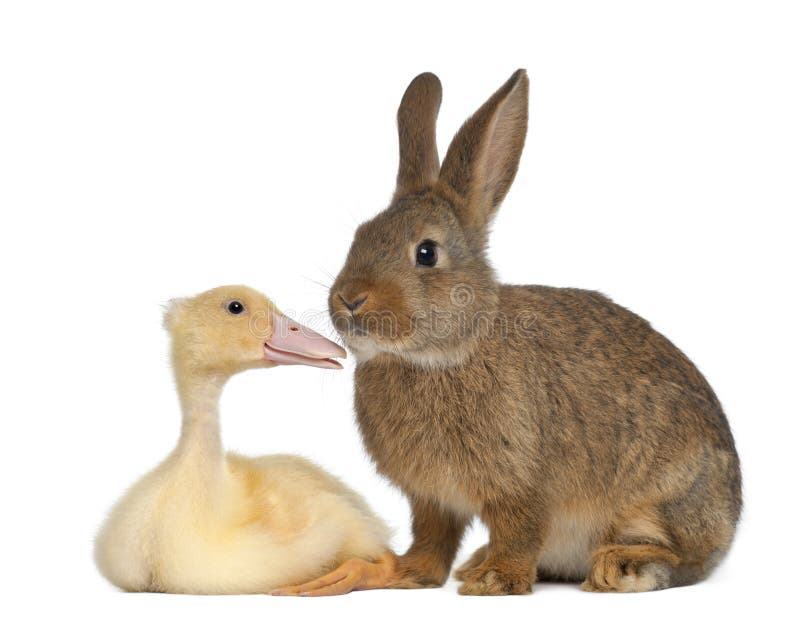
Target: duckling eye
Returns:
[236, 307]
[426, 253]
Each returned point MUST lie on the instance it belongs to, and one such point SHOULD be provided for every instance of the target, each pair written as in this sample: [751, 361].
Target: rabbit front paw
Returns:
[474, 561]
[419, 570]
[494, 580]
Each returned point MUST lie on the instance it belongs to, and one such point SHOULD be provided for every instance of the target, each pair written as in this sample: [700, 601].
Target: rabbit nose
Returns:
[354, 305]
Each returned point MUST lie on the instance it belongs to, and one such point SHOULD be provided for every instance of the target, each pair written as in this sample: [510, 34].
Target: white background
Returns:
[155, 149]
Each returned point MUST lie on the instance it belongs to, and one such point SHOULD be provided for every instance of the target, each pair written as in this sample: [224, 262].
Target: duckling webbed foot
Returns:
[354, 574]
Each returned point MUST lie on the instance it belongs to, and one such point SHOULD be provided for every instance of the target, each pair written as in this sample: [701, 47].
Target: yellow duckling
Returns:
[207, 522]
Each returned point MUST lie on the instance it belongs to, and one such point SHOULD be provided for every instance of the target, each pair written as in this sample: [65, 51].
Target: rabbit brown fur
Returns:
[589, 445]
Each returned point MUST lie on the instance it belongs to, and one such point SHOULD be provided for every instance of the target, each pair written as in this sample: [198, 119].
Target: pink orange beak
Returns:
[294, 343]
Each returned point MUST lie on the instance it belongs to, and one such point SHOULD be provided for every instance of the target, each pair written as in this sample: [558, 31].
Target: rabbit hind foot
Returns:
[630, 568]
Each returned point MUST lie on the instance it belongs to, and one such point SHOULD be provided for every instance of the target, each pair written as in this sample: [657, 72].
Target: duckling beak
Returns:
[294, 343]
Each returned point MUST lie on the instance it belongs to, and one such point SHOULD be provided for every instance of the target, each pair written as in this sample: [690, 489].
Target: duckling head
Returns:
[233, 328]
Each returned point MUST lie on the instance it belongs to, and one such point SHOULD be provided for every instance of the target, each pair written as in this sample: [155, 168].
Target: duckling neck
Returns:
[201, 440]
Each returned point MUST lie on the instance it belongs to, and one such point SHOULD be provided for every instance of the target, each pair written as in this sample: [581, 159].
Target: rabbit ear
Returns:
[484, 155]
[416, 127]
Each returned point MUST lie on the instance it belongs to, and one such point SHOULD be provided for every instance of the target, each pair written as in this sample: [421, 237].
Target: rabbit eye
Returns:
[236, 307]
[426, 253]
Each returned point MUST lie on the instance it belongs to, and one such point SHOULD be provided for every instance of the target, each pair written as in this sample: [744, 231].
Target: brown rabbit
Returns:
[589, 445]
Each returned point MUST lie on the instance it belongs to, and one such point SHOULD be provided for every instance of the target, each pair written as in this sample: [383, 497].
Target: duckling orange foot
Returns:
[354, 574]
